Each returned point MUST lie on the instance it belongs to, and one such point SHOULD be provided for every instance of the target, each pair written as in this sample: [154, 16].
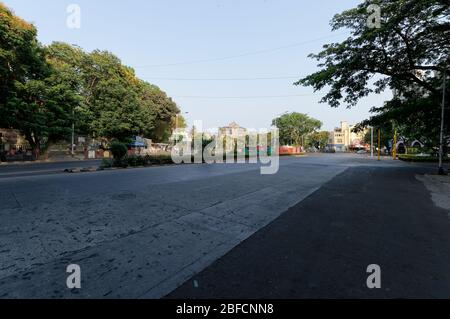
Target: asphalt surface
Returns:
[141, 233]
[36, 169]
[138, 233]
[321, 247]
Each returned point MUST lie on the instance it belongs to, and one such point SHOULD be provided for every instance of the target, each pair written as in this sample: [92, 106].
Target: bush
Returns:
[412, 150]
[140, 161]
[135, 160]
[120, 162]
[147, 160]
[131, 160]
[118, 150]
[416, 158]
[162, 159]
[106, 163]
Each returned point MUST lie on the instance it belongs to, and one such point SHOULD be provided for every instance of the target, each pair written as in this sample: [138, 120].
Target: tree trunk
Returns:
[35, 146]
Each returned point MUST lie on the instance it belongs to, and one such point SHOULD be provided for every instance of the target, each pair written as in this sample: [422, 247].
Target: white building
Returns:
[233, 131]
[343, 138]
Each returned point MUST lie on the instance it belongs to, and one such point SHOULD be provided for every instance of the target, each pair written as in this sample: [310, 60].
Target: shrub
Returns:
[131, 160]
[120, 162]
[134, 160]
[162, 159]
[147, 160]
[140, 161]
[118, 150]
[416, 158]
[106, 163]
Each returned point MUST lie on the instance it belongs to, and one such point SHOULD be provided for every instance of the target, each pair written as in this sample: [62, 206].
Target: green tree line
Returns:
[44, 89]
[408, 53]
[300, 129]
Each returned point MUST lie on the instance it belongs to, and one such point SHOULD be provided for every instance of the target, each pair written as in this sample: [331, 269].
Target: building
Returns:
[343, 138]
[12, 140]
[232, 131]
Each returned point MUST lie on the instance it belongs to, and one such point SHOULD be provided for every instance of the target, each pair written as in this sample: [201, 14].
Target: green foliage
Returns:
[21, 56]
[426, 159]
[294, 127]
[119, 150]
[106, 163]
[318, 139]
[115, 103]
[407, 54]
[162, 159]
[43, 90]
[415, 117]
[413, 36]
[137, 161]
[35, 95]
[412, 150]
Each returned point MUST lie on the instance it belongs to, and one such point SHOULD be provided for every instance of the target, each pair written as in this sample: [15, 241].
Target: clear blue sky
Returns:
[153, 37]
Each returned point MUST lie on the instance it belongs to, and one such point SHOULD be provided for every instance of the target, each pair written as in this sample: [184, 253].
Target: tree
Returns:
[21, 56]
[415, 118]
[162, 109]
[179, 122]
[294, 127]
[42, 110]
[34, 96]
[115, 103]
[413, 37]
[318, 139]
[43, 90]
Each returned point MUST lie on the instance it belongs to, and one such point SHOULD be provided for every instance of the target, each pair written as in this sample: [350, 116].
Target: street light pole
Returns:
[371, 141]
[379, 144]
[73, 133]
[441, 146]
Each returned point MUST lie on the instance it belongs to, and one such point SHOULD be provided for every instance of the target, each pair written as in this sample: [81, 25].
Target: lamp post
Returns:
[371, 141]
[72, 146]
[441, 141]
[379, 144]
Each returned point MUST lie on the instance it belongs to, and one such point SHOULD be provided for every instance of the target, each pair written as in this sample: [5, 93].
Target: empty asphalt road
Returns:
[322, 247]
[34, 169]
[142, 233]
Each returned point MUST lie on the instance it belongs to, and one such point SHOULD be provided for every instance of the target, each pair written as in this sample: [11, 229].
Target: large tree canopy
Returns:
[20, 53]
[413, 36]
[43, 90]
[294, 127]
[319, 140]
[35, 96]
[115, 103]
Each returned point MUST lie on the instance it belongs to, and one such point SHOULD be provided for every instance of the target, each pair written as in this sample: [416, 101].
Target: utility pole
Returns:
[72, 146]
[379, 144]
[371, 141]
[441, 147]
[394, 151]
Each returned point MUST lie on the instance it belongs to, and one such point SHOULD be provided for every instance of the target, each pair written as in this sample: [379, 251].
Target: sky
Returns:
[220, 60]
